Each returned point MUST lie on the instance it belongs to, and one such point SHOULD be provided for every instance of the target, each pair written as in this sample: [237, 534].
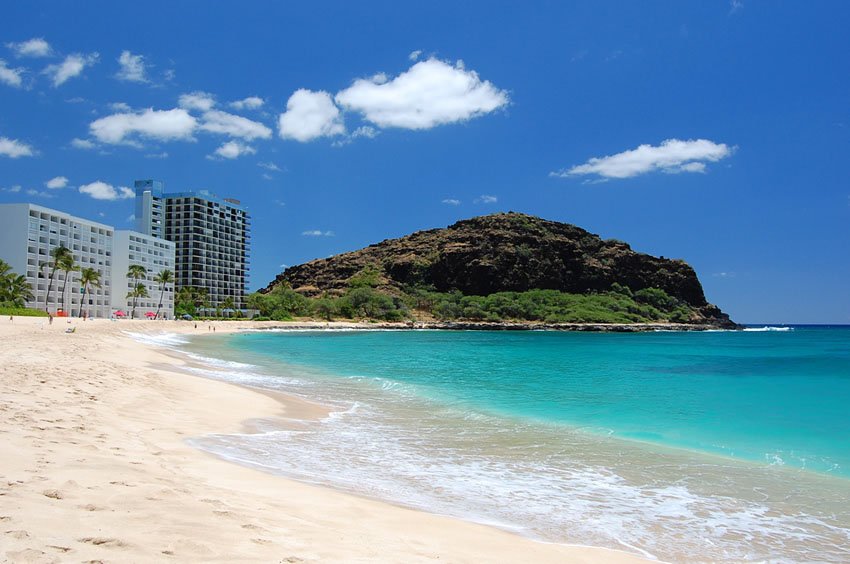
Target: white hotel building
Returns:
[28, 232]
[155, 255]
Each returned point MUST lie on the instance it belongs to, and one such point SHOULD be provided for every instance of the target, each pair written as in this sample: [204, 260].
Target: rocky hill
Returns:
[504, 252]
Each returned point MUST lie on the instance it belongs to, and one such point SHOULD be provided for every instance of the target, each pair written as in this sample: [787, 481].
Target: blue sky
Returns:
[715, 132]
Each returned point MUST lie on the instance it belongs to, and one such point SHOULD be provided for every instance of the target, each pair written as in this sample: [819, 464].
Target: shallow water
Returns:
[680, 446]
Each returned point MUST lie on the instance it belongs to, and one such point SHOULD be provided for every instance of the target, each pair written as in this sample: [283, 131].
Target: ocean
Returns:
[706, 446]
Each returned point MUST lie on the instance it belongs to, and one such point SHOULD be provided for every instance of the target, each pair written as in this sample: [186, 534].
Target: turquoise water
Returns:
[601, 439]
[777, 397]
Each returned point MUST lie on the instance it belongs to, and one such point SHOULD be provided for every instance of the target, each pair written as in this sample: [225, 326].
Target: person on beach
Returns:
[50, 319]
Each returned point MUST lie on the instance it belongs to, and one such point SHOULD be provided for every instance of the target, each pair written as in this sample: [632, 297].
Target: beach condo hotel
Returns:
[28, 234]
[211, 237]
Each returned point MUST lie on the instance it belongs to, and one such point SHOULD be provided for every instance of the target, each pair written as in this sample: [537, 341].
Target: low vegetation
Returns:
[362, 300]
[24, 311]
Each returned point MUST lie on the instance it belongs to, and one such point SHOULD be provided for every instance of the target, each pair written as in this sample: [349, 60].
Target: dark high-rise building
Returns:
[211, 236]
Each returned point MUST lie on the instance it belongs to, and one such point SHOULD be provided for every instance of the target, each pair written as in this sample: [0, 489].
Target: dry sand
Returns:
[94, 467]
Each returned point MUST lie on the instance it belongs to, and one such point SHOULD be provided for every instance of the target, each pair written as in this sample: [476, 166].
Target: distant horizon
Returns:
[712, 132]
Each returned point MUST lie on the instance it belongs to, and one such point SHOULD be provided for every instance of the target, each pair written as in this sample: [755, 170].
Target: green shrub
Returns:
[23, 311]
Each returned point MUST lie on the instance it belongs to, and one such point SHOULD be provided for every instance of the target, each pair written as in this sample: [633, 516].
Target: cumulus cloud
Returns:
[671, 156]
[451, 202]
[310, 115]
[132, 67]
[56, 182]
[78, 143]
[100, 190]
[414, 55]
[317, 233]
[202, 101]
[39, 193]
[486, 199]
[12, 77]
[35, 47]
[249, 103]
[13, 148]
[217, 121]
[72, 66]
[163, 125]
[430, 93]
[232, 150]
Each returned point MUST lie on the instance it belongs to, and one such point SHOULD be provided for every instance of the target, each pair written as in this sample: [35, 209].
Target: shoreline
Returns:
[306, 325]
[94, 433]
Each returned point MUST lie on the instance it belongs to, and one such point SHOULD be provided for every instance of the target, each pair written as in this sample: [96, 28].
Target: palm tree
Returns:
[66, 265]
[56, 254]
[201, 298]
[15, 291]
[228, 304]
[138, 291]
[88, 276]
[135, 272]
[164, 277]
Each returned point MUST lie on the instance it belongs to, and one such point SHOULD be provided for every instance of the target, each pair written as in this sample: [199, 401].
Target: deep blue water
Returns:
[779, 397]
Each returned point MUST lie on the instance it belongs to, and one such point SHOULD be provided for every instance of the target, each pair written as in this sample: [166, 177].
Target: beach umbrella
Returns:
[120, 313]
[150, 314]
[186, 316]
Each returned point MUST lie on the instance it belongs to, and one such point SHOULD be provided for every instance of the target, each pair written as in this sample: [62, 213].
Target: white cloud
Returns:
[40, 194]
[132, 67]
[13, 148]
[10, 76]
[217, 121]
[366, 131]
[724, 275]
[233, 150]
[162, 155]
[120, 107]
[486, 199]
[197, 101]
[414, 55]
[735, 5]
[317, 233]
[269, 166]
[428, 94]
[310, 115]
[56, 182]
[164, 125]
[72, 66]
[671, 156]
[100, 190]
[78, 143]
[451, 202]
[249, 103]
[35, 47]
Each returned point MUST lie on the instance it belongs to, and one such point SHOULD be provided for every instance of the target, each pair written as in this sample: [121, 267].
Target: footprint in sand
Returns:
[52, 494]
[103, 541]
[20, 535]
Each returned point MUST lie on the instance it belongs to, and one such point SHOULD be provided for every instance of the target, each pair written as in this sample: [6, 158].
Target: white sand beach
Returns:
[94, 467]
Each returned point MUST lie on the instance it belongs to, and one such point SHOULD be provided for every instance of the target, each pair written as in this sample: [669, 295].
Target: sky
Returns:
[715, 132]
